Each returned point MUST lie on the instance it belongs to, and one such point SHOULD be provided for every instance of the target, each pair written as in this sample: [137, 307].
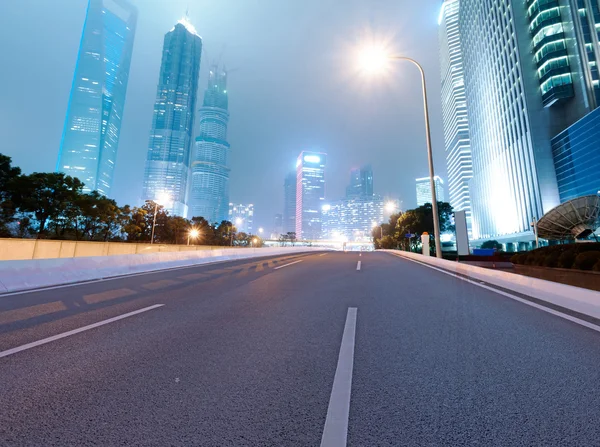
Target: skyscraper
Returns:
[242, 216]
[310, 194]
[90, 137]
[168, 158]
[361, 182]
[352, 218]
[530, 72]
[424, 190]
[454, 110]
[289, 203]
[210, 161]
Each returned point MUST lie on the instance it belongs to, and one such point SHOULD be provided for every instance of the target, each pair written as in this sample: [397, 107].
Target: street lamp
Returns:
[380, 227]
[261, 230]
[254, 241]
[390, 207]
[193, 234]
[374, 59]
[162, 200]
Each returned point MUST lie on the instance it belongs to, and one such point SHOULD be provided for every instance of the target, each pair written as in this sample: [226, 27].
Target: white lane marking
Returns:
[287, 265]
[132, 275]
[360, 254]
[324, 254]
[358, 265]
[516, 298]
[335, 432]
[75, 331]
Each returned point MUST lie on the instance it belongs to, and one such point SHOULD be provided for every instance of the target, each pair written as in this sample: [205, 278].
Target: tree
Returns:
[7, 208]
[420, 220]
[46, 196]
[133, 224]
[224, 233]
[492, 245]
[178, 228]
[206, 231]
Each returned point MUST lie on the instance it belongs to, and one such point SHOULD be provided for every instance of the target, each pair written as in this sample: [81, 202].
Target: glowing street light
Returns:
[162, 200]
[390, 207]
[374, 59]
[261, 230]
[193, 234]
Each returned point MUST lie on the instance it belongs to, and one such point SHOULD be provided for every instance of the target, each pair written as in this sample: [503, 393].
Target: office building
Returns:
[168, 159]
[361, 182]
[454, 110]
[277, 229]
[289, 203]
[242, 217]
[352, 218]
[531, 71]
[90, 138]
[210, 160]
[424, 190]
[310, 194]
[577, 158]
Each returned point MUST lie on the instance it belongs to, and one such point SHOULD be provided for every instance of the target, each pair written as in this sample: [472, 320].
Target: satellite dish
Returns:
[575, 219]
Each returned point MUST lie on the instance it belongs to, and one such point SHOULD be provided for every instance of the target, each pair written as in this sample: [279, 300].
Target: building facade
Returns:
[168, 159]
[424, 190]
[210, 160]
[454, 110]
[577, 158]
[352, 218]
[90, 138]
[513, 173]
[289, 203]
[361, 182]
[242, 217]
[310, 194]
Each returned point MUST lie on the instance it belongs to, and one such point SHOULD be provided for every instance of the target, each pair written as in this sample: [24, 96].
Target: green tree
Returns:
[206, 231]
[133, 224]
[420, 220]
[7, 208]
[46, 196]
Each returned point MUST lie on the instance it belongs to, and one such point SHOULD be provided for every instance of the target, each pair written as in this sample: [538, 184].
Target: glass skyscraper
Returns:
[90, 137]
[210, 160]
[289, 203]
[352, 218]
[310, 194]
[242, 216]
[424, 190]
[513, 174]
[168, 159]
[577, 158]
[361, 182]
[454, 110]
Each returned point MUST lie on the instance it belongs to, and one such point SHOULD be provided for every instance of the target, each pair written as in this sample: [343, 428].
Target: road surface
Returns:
[327, 349]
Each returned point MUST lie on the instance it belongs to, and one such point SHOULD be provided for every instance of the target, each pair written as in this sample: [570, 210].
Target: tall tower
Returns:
[361, 182]
[289, 203]
[210, 160]
[310, 194]
[90, 139]
[454, 110]
[168, 158]
[424, 190]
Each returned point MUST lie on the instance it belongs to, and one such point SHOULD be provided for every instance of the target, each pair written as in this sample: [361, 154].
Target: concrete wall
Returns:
[37, 273]
[19, 249]
[576, 299]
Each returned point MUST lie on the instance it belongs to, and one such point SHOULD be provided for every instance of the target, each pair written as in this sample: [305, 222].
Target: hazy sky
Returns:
[292, 86]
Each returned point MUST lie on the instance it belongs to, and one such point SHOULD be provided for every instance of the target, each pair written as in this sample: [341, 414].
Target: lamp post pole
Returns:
[434, 204]
[154, 222]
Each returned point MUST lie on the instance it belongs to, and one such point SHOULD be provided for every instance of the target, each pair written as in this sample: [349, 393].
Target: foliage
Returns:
[53, 205]
[568, 256]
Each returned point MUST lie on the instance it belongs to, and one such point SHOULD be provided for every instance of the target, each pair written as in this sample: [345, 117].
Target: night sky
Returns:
[293, 86]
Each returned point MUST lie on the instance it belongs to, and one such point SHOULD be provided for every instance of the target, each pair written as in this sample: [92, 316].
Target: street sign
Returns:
[409, 235]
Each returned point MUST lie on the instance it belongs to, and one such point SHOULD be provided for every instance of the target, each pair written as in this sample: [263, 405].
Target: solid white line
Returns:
[335, 433]
[516, 298]
[358, 265]
[131, 275]
[75, 331]
[287, 265]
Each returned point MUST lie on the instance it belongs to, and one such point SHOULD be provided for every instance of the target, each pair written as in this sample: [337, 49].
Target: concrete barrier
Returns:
[21, 249]
[38, 273]
[580, 300]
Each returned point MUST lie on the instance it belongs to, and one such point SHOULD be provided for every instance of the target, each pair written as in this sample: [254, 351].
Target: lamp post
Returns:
[161, 200]
[193, 234]
[374, 59]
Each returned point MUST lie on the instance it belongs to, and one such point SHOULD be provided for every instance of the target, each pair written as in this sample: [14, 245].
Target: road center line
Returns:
[358, 265]
[75, 331]
[335, 432]
[287, 265]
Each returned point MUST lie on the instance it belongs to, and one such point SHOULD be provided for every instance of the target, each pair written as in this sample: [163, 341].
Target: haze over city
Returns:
[292, 86]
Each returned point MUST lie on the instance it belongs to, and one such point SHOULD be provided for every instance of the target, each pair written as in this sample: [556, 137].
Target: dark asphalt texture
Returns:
[242, 354]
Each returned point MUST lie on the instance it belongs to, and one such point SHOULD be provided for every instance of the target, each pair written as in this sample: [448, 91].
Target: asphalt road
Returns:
[382, 353]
